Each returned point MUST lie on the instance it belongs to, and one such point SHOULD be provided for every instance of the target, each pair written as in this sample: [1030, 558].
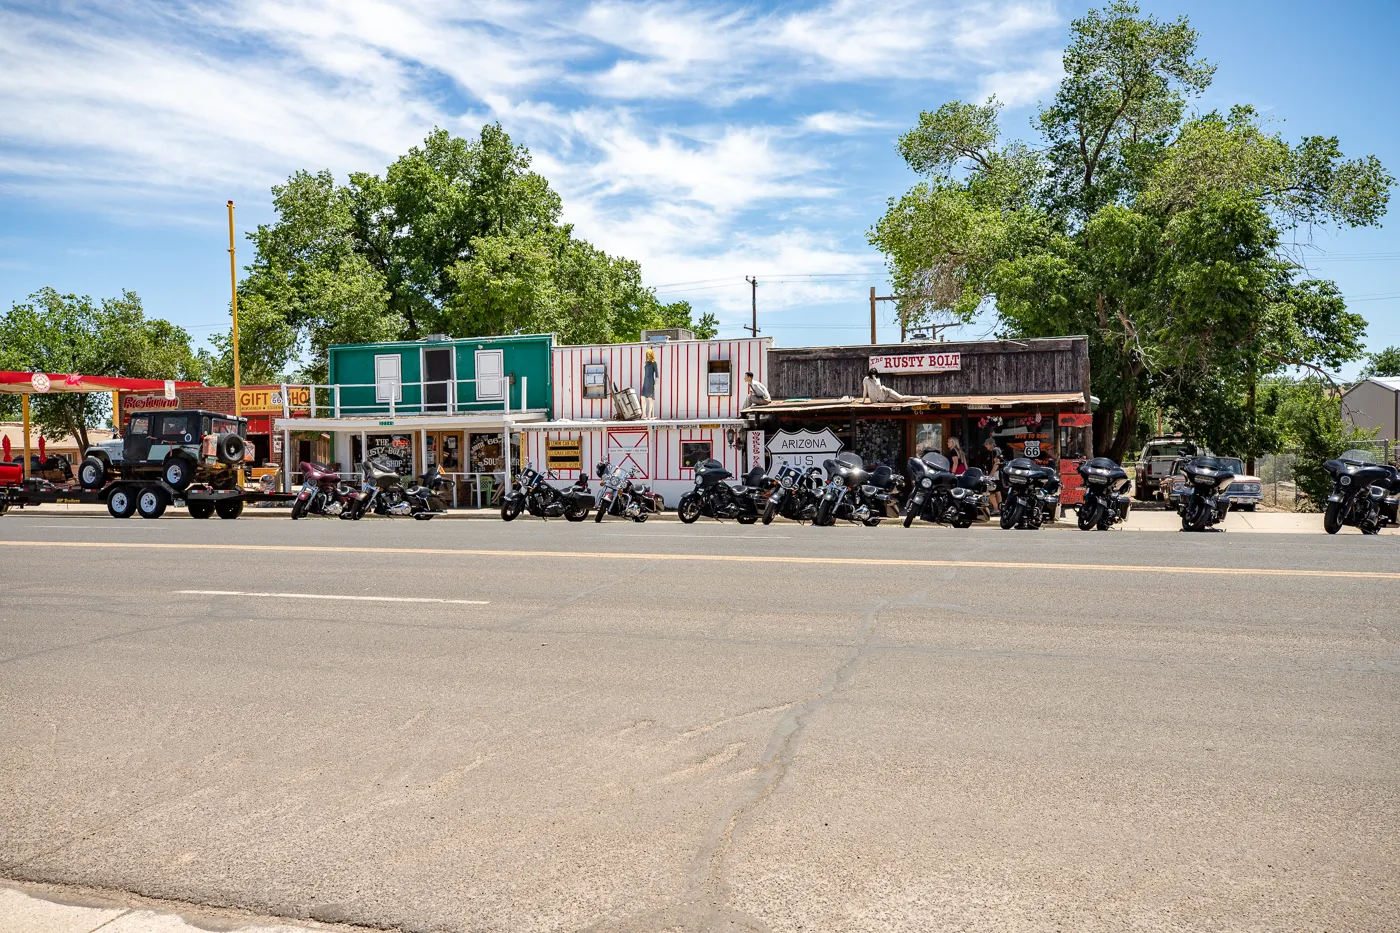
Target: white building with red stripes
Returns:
[699, 392]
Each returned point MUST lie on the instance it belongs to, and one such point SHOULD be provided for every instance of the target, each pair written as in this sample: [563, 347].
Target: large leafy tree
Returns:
[1382, 363]
[57, 333]
[1156, 233]
[459, 236]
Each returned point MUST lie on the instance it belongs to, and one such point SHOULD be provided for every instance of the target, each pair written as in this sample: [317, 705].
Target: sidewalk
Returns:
[1144, 520]
[37, 909]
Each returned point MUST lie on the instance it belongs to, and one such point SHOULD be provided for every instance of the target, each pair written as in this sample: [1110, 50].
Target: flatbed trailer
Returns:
[146, 497]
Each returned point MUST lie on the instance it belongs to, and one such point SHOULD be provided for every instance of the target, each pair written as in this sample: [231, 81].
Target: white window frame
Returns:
[601, 389]
[728, 377]
[505, 382]
[381, 392]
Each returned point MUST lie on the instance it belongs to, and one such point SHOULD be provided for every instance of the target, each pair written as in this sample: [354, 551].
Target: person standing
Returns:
[758, 392]
[649, 373]
[956, 458]
[991, 465]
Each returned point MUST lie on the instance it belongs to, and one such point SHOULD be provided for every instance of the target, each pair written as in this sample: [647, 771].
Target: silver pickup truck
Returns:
[1154, 465]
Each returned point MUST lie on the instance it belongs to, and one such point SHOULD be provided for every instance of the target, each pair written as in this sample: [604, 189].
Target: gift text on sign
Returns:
[917, 363]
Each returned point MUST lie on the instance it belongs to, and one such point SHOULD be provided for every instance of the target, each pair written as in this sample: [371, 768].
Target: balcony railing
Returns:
[349, 400]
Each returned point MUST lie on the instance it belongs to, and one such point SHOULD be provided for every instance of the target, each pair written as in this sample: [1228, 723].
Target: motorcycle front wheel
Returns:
[1010, 512]
[824, 514]
[510, 508]
[1088, 516]
[1332, 518]
[770, 511]
[688, 509]
[910, 511]
[298, 508]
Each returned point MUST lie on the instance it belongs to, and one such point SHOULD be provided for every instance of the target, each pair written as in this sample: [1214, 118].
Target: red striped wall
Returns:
[681, 385]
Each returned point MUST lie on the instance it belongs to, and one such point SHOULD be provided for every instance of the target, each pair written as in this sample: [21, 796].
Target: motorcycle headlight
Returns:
[926, 482]
[787, 482]
[1346, 480]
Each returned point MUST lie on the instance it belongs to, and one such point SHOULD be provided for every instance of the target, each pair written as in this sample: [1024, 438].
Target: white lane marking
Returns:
[369, 599]
[695, 537]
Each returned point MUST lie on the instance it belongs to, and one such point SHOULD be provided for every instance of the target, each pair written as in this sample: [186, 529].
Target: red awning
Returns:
[15, 383]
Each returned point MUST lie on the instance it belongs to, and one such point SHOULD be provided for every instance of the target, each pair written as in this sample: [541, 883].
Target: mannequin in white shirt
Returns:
[875, 391]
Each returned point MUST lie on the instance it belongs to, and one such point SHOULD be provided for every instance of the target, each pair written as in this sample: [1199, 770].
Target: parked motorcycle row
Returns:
[1365, 495]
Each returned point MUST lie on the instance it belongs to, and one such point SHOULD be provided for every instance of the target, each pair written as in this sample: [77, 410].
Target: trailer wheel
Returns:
[151, 502]
[201, 509]
[229, 508]
[121, 502]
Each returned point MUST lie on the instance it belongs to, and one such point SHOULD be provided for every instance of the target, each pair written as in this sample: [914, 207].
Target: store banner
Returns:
[917, 363]
[756, 458]
[803, 449]
[1074, 420]
[269, 400]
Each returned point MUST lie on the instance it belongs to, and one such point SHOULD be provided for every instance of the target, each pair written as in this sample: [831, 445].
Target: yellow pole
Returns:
[233, 285]
[233, 281]
[24, 406]
[116, 415]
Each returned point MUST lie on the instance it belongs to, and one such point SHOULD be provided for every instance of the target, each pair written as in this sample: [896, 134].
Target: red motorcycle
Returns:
[322, 492]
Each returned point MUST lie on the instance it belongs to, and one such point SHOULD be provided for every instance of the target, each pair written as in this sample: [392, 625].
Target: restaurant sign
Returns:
[148, 402]
[917, 363]
[803, 449]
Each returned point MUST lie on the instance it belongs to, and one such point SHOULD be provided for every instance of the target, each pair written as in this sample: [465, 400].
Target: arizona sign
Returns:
[917, 363]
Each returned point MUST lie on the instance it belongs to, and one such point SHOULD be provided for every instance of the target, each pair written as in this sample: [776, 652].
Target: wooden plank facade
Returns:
[683, 386]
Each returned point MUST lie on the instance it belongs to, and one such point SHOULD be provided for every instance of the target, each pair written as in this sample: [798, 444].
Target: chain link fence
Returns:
[1275, 472]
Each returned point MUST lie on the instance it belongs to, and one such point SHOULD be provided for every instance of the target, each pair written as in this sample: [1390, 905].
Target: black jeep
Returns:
[177, 448]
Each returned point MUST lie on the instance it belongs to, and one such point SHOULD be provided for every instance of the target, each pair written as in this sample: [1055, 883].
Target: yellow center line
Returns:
[721, 558]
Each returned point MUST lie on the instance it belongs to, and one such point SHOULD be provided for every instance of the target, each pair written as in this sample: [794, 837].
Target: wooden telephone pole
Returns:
[873, 299]
[753, 284]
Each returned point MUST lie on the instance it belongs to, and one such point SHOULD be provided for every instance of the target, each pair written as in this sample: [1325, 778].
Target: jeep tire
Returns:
[231, 448]
[177, 472]
[92, 473]
[201, 509]
[122, 502]
[229, 508]
[151, 502]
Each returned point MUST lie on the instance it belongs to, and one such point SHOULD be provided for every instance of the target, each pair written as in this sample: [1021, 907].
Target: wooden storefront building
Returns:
[1020, 392]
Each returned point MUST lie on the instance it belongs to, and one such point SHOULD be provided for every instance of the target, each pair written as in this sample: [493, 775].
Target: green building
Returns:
[446, 402]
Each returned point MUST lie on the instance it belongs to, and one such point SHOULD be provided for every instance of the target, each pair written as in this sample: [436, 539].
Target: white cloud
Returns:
[700, 138]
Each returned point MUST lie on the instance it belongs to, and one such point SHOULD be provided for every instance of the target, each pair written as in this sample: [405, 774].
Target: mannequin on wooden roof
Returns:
[649, 373]
[875, 391]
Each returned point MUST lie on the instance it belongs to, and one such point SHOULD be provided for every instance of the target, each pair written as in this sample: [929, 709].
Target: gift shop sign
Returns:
[917, 363]
[270, 400]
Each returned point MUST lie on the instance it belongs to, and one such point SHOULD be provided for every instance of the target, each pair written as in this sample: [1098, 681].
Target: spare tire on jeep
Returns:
[231, 449]
[92, 473]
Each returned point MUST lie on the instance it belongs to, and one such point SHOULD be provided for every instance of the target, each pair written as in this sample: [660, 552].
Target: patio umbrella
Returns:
[41, 448]
[5, 448]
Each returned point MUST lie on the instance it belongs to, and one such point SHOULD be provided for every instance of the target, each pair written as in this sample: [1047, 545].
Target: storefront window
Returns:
[693, 452]
[1017, 434]
[486, 453]
[392, 451]
[881, 440]
[928, 436]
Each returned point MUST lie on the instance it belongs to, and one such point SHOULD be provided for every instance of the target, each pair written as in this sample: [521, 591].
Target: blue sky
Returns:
[707, 140]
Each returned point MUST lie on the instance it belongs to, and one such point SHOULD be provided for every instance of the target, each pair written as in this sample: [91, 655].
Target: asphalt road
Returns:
[555, 727]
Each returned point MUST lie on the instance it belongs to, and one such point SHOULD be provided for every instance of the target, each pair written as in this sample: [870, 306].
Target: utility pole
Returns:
[753, 283]
[873, 299]
[233, 280]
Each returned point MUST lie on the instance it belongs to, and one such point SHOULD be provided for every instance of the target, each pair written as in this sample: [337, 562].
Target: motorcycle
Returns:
[1206, 503]
[854, 494]
[530, 492]
[941, 496]
[1105, 501]
[714, 497]
[322, 492]
[1032, 495]
[793, 494]
[385, 493]
[1365, 495]
[620, 496]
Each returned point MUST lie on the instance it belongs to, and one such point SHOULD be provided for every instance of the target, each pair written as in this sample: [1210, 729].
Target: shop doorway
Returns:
[445, 451]
[437, 379]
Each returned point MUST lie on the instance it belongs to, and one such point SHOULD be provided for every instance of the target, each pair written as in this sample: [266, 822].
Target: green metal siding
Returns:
[527, 358]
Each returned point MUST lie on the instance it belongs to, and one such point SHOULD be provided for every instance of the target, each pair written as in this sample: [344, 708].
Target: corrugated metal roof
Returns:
[920, 403]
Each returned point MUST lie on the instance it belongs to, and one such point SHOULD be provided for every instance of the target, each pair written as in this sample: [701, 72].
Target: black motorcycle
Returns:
[620, 496]
[855, 495]
[939, 495]
[793, 494]
[1364, 495]
[715, 497]
[385, 494]
[531, 492]
[1205, 502]
[1105, 501]
[1032, 494]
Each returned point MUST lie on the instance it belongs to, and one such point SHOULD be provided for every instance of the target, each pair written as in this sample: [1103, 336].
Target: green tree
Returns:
[458, 236]
[1382, 363]
[57, 333]
[1157, 235]
[1311, 416]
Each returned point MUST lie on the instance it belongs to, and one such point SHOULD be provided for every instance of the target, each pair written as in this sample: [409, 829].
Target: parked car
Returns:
[1159, 457]
[1244, 492]
[178, 448]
